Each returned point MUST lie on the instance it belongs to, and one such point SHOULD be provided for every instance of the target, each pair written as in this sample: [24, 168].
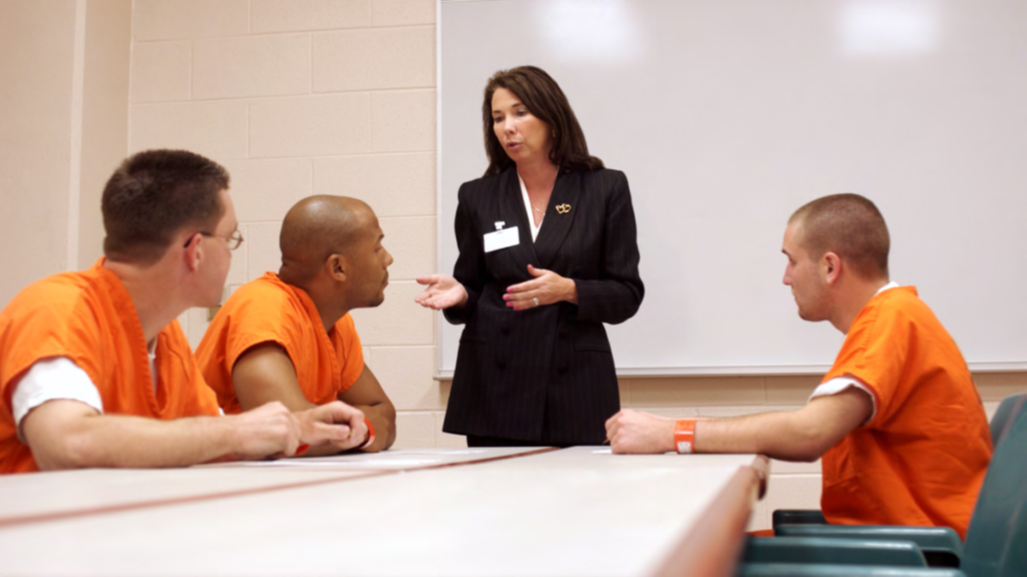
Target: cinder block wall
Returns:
[298, 97]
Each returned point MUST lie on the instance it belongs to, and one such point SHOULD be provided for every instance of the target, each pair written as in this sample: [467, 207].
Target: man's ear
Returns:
[832, 267]
[193, 252]
[337, 267]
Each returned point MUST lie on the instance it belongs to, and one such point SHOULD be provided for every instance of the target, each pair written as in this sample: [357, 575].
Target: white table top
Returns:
[579, 511]
[29, 498]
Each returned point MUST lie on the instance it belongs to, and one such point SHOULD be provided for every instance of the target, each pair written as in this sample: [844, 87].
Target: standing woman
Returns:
[547, 255]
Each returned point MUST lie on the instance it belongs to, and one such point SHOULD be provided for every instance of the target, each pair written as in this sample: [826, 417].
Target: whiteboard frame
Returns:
[754, 371]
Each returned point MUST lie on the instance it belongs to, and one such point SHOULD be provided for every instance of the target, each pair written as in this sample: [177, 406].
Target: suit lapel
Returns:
[560, 215]
[513, 212]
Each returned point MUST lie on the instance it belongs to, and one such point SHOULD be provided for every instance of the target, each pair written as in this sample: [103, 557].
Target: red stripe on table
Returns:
[60, 515]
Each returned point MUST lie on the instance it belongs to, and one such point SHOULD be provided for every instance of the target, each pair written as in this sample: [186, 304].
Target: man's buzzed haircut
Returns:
[848, 225]
[153, 195]
[314, 229]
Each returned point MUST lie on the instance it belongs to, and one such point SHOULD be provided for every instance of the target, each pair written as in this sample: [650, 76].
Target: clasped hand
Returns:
[545, 289]
[271, 430]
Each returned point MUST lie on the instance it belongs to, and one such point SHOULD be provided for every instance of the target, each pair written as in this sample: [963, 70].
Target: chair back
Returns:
[996, 541]
[1004, 416]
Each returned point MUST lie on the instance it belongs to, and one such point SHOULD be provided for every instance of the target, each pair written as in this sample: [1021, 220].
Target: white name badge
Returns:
[502, 239]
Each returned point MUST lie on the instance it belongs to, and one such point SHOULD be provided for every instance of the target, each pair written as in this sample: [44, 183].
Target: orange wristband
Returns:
[370, 434]
[684, 436]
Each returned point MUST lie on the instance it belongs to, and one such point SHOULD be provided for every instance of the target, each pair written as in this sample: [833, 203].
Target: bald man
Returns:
[897, 420]
[288, 337]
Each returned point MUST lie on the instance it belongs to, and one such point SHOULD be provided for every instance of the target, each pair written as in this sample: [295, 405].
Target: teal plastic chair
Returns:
[1002, 420]
[818, 550]
[941, 545]
[795, 570]
[996, 541]
[815, 570]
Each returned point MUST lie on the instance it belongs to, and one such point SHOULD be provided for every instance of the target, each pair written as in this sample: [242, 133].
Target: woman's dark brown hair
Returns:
[544, 99]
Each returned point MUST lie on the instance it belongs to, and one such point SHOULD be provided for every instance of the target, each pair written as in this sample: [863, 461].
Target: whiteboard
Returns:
[727, 115]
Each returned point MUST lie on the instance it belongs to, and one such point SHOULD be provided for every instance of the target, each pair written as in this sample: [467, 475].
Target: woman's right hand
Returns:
[442, 292]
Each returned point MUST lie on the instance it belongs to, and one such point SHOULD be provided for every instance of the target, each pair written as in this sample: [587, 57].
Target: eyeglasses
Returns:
[232, 241]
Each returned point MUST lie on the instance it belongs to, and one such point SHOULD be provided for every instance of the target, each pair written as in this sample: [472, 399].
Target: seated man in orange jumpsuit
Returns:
[289, 337]
[897, 420]
[95, 370]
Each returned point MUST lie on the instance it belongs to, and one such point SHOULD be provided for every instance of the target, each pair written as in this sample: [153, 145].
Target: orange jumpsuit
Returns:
[270, 310]
[89, 318]
[922, 457]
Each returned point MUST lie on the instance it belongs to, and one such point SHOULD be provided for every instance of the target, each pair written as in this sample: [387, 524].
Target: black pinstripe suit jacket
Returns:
[544, 374]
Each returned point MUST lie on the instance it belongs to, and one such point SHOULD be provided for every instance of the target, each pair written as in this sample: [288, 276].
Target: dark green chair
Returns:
[996, 541]
[817, 570]
[835, 551]
[941, 546]
[1002, 420]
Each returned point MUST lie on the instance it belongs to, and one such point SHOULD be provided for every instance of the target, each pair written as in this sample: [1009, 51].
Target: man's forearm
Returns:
[136, 442]
[783, 435]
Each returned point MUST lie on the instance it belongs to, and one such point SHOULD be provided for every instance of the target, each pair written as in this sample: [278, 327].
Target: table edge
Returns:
[714, 549]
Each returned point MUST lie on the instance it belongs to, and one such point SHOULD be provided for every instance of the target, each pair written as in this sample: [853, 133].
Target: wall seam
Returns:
[78, 74]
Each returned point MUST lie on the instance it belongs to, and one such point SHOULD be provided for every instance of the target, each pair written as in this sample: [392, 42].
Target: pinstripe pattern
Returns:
[545, 374]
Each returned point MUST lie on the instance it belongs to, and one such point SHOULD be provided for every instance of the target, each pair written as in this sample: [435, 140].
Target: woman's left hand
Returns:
[545, 289]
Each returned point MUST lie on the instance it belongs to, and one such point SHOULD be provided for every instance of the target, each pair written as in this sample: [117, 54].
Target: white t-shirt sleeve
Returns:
[839, 384]
[52, 379]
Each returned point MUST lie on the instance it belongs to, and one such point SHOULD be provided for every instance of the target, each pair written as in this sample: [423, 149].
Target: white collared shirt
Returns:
[528, 207]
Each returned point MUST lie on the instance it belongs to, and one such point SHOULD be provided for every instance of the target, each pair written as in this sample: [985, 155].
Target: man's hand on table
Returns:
[636, 432]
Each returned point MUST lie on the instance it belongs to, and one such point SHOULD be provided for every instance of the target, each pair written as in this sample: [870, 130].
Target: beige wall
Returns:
[295, 98]
[37, 46]
[63, 109]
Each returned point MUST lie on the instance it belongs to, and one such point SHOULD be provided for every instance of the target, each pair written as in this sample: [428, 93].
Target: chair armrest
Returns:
[832, 551]
[798, 517]
[941, 546]
[821, 570]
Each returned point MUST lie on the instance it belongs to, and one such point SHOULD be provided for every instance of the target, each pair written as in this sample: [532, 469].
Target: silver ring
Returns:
[534, 300]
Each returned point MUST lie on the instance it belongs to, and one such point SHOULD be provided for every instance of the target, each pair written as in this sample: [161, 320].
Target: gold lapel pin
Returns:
[563, 208]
